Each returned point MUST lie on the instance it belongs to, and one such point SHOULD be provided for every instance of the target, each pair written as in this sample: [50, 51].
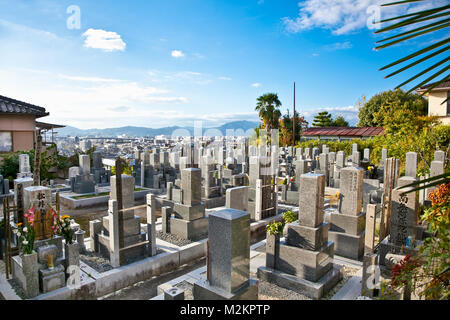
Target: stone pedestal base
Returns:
[190, 213]
[192, 230]
[204, 291]
[52, 279]
[214, 202]
[314, 290]
[353, 225]
[306, 264]
[347, 245]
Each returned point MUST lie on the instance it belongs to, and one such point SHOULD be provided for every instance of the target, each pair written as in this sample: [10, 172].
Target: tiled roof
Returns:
[11, 106]
[344, 131]
[442, 86]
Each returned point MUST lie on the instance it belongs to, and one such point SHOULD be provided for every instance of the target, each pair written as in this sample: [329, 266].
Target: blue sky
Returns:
[161, 63]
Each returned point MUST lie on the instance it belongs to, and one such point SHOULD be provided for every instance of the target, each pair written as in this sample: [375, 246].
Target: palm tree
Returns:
[420, 23]
[267, 107]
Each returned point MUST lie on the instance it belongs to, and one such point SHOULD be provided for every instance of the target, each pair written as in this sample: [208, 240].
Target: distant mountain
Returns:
[239, 127]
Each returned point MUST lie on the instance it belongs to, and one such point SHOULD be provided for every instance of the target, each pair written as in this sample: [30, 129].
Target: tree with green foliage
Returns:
[378, 109]
[286, 128]
[340, 122]
[323, 119]
[269, 112]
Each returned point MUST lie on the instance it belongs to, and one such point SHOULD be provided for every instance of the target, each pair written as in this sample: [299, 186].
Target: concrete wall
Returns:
[435, 107]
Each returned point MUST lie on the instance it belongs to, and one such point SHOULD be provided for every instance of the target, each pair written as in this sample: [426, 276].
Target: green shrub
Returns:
[275, 228]
[289, 217]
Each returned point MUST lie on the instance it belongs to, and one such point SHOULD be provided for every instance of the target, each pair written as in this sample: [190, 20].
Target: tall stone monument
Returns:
[347, 226]
[229, 259]
[303, 262]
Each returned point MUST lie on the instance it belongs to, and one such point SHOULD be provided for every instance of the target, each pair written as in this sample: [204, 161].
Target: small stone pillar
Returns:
[258, 199]
[113, 215]
[371, 275]
[95, 227]
[79, 235]
[151, 224]
[31, 274]
[169, 190]
[166, 213]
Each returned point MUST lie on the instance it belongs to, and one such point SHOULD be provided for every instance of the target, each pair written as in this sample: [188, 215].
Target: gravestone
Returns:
[403, 222]
[100, 176]
[189, 221]
[229, 259]
[261, 200]
[19, 187]
[237, 198]
[347, 226]
[411, 164]
[121, 239]
[24, 167]
[439, 155]
[83, 182]
[404, 213]
[303, 262]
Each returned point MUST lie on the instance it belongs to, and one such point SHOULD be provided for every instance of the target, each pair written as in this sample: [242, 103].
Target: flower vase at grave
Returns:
[30, 271]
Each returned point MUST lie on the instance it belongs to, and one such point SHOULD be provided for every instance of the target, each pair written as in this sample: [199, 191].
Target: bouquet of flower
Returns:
[64, 229]
[25, 232]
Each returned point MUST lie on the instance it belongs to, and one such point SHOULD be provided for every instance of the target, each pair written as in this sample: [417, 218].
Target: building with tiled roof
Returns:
[18, 124]
[341, 133]
[437, 104]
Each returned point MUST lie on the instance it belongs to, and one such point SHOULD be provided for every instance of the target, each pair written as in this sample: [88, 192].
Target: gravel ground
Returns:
[269, 291]
[96, 262]
[173, 239]
[100, 264]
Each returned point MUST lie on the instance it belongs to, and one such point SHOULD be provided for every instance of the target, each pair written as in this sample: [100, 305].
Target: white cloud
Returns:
[119, 109]
[177, 54]
[339, 46]
[103, 40]
[181, 76]
[256, 85]
[345, 16]
[87, 79]
[27, 30]
[225, 78]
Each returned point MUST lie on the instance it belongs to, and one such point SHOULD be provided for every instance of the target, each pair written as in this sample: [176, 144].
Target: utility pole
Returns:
[293, 137]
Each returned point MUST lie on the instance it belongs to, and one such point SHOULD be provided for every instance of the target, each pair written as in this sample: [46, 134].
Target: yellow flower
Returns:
[337, 195]
[19, 224]
[65, 217]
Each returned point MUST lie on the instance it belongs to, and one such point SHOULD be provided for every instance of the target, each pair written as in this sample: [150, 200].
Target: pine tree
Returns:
[323, 119]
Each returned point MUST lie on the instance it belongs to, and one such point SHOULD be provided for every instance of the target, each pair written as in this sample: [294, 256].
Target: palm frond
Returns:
[424, 27]
[419, 61]
[428, 183]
